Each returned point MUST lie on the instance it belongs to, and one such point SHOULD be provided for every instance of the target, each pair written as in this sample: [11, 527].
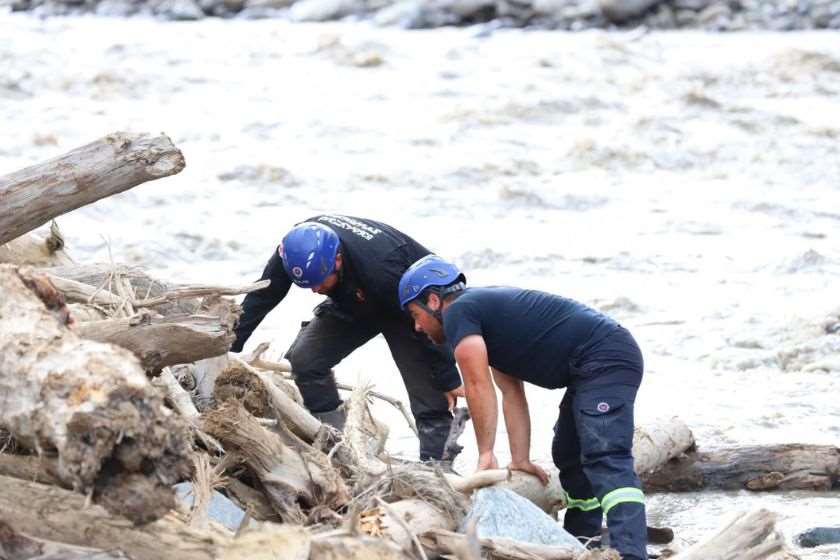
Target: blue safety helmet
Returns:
[308, 252]
[429, 272]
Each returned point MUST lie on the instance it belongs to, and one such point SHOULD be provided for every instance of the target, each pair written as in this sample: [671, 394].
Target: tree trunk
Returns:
[54, 514]
[652, 446]
[90, 402]
[33, 196]
[165, 341]
[779, 467]
[658, 442]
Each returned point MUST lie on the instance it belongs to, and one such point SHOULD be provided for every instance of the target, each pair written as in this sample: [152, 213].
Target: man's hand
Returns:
[452, 396]
[529, 467]
[487, 460]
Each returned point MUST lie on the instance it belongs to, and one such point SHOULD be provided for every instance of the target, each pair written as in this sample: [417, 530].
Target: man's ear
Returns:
[433, 302]
[338, 261]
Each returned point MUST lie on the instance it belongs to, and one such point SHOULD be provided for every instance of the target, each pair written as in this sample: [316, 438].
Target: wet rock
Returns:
[818, 536]
[808, 260]
[405, 14]
[324, 10]
[179, 10]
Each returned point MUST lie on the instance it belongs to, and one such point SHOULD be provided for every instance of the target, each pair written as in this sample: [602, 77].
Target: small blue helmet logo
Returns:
[297, 271]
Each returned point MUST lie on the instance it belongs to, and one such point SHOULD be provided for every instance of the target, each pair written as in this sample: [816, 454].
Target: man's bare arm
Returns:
[471, 355]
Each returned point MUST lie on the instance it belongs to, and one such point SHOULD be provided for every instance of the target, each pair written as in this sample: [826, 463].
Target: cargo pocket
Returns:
[605, 425]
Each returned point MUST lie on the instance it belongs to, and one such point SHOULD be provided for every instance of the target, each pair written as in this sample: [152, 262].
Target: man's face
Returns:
[425, 322]
[327, 286]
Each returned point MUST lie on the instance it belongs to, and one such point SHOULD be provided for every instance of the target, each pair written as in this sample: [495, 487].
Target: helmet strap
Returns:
[436, 313]
[441, 293]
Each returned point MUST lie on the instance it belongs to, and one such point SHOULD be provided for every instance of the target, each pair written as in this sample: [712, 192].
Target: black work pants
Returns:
[592, 446]
[332, 335]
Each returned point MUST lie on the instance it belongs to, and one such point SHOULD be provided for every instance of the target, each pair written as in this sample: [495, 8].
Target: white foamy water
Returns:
[685, 183]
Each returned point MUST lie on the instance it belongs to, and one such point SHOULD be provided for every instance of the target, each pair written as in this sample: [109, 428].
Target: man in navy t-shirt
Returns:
[512, 336]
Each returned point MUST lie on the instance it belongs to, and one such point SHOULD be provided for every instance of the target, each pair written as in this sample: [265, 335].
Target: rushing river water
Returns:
[685, 183]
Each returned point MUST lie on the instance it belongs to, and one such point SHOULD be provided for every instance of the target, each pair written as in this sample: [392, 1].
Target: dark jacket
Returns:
[374, 257]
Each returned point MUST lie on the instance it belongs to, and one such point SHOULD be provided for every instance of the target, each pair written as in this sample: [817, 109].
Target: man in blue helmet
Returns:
[357, 263]
[511, 335]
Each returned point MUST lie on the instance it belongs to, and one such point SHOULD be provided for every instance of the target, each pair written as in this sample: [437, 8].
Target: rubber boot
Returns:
[335, 418]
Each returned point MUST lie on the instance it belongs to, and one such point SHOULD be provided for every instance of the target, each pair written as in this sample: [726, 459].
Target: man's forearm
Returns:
[481, 400]
[518, 424]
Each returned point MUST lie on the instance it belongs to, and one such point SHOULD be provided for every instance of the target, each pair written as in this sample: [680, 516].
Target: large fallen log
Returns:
[88, 402]
[779, 467]
[653, 445]
[165, 341]
[33, 196]
[54, 514]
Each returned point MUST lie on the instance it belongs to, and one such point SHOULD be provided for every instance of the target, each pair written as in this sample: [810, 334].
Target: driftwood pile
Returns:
[115, 386]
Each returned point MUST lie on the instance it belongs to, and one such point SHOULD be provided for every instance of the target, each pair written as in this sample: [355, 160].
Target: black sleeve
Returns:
[256, 305]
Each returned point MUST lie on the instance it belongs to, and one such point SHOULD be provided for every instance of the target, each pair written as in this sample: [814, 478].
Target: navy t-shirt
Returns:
[530, 335]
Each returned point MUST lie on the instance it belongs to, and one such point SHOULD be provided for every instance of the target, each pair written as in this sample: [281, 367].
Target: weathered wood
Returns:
[89, 402]
[363, 436]
[250, 500]
[294, 415]
[776, 467]
[200, 290]
[33, 196]
[164, 341]
[294, 477]
[16, 546]
[284, 367]
[498, 548]
[31, 249]
[54, 514]
[176, 394]
[652, 445]
[32, 467]
[620, 11]
[658, 442]
[403, 520]
[356, 548]
[104, 277]
[746, 537]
